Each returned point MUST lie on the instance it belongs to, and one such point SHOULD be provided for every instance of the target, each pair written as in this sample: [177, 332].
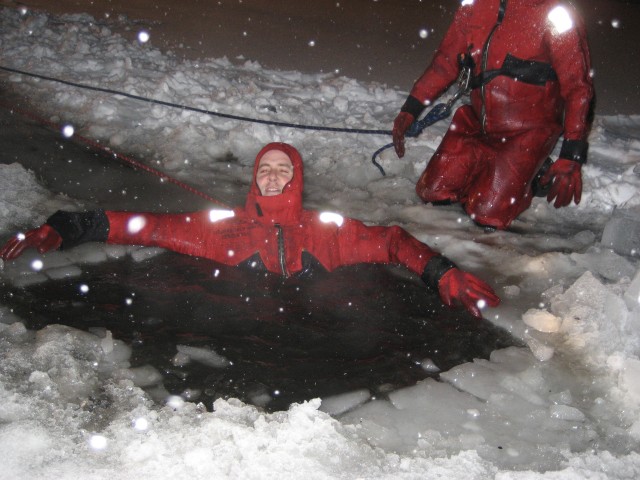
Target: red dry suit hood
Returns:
[286, 208]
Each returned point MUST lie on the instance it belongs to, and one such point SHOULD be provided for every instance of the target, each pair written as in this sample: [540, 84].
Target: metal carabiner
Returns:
[463, 82]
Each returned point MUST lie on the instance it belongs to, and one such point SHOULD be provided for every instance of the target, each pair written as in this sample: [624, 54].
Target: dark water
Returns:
[96, 177]
[368, 326]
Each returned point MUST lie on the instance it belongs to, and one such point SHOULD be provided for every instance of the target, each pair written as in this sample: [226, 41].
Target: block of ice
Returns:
[542, 320]
[632, 294]
[337, 404]
[88, 253]
[539, 349]
[145, 253]
[622, 234]
[68, 271]
[604, 262]
[428, 366]
[7, 316]
[204, 356]
[630, 379]
[565, 412]
[118, 251]
[143, 376]
[28, 278]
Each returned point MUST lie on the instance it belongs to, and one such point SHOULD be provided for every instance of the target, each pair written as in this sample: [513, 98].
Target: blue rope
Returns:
[198, 110]
[437, 113]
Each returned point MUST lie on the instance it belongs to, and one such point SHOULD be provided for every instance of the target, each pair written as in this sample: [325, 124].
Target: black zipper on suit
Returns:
[281, 254]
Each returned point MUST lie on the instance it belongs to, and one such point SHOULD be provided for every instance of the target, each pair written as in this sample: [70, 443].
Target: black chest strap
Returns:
[527, 71]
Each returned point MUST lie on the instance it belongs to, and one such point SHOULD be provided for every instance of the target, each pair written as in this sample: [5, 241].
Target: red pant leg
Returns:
[489, 174]
[502, 191]
[454, 164]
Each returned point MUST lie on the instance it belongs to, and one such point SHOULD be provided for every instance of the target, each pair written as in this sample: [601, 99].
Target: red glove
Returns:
[43, 238]
[400, 126]
[566, 182]
[467, 289]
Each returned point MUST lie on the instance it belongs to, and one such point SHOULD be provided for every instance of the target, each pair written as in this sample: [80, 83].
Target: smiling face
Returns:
[274, 172]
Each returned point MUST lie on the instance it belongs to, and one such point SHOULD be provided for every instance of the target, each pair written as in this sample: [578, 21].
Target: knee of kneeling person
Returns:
[494, 213]
[436, 194]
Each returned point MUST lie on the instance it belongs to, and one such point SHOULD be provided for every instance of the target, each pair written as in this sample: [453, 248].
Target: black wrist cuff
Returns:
[575, 150]
[436, 267]
[413, 106]
[76, 228]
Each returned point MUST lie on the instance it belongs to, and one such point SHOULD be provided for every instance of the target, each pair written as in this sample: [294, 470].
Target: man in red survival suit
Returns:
[530, 83]
[272, 230]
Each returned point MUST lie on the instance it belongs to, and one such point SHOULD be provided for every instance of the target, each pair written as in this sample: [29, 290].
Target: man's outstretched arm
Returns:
[62, 230]
[362, 244]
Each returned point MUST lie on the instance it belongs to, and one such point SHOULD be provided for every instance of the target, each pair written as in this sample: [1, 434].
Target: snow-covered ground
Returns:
[566, 406]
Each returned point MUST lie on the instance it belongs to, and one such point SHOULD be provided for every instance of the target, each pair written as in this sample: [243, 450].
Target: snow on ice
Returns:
[565, 406]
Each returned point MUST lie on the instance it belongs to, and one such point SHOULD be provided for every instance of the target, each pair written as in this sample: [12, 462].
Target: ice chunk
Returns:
[118, 356]
[564, 397]
[630, 379]
[341, 103]
[338, 404]
[107, 343]
[63, 272]
[634, 431]
[259, 394]
[180, 359]
[145, 253]
[565, 412]
[632, 295]
[205, 356]
[539, 349]
[7, 316]
[88, 253]
[511, 291]
[15, 330]
[144, 376]
[26, 278]
[604, 262]
[55, 260]
[428, 366]
[542, 320]
[622, 234]
[118, 251]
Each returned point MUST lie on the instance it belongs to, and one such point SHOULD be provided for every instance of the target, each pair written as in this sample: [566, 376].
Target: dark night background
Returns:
[387, 48]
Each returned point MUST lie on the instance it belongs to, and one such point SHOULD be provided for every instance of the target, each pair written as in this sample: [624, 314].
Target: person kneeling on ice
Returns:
[530, 82]
[272, 231]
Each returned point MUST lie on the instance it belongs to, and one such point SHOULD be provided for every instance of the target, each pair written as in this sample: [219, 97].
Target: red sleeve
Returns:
[571, 61]
[444, 68]
[358, 243]
[188, 233]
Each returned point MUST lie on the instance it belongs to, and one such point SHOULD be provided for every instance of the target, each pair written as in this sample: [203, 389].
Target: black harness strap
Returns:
[527, 71]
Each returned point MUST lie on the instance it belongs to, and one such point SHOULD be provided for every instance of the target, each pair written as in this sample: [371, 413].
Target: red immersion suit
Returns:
[276, 228]
[495, 146]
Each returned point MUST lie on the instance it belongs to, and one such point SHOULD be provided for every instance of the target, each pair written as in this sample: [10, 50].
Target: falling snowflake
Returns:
[68, 131]
[143, 36]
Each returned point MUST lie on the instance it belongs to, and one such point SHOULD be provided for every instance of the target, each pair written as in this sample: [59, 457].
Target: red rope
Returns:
[96, 145]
